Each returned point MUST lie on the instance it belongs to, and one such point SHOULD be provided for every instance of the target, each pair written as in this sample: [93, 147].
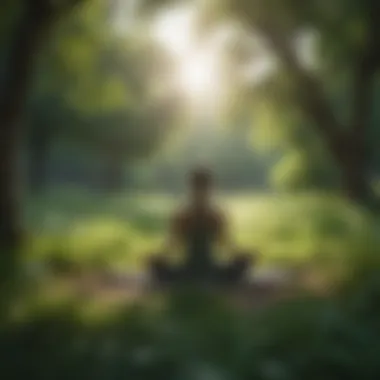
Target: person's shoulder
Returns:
[218, 214]
[181, 215]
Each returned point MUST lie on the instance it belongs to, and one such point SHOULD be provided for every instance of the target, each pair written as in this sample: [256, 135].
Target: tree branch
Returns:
[311, 96]
[364, 72]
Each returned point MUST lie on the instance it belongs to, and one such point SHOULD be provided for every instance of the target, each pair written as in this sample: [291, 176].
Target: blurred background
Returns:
[106, 105]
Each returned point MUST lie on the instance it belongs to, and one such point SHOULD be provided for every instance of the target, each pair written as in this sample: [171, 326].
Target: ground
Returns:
[102, 234]
[123, 230]
[80, 327]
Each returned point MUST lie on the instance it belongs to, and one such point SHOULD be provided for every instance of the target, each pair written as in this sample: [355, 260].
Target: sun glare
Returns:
[173, 29]
[198, 75]
[196, 71]
[201, 70]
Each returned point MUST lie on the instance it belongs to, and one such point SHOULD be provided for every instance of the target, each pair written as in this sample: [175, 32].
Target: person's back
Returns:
[198, 229]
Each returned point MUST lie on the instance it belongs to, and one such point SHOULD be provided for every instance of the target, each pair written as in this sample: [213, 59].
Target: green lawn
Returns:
[189, 336]
[124, 229]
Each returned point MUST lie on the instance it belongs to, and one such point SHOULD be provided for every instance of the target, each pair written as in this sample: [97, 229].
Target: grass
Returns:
[197, 336]
[123, 230]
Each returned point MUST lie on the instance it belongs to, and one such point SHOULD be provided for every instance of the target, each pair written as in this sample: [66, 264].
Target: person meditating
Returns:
[199, 229]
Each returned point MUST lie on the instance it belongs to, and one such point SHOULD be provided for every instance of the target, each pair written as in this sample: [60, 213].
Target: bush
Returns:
[199, 336]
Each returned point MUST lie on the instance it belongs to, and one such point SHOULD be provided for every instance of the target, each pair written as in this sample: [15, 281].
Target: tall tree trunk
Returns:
[346, 145]
[354, 166]
[27, 39]
[39, 145]
[355, 182]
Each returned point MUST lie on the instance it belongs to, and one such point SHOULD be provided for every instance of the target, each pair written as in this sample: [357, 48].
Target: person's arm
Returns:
[224, 232]
[174, 230]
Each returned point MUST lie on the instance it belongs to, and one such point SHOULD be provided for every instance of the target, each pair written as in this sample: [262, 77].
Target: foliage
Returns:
[192, 335]
[227, 152]
[329, 81]
[95, 88]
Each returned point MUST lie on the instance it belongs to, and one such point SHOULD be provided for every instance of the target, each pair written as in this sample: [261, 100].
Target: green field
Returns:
[123, 230]
[196, 336]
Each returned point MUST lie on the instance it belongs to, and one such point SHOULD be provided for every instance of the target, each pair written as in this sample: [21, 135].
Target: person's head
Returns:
[200, 184]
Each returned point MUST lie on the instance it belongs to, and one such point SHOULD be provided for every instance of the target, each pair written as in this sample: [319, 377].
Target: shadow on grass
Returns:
[197, 335]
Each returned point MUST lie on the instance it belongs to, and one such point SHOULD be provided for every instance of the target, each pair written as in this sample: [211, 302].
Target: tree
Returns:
[67, 84]
[348, 36]
[33, 24]
[304, 162]
[82, 49]
[348, 56]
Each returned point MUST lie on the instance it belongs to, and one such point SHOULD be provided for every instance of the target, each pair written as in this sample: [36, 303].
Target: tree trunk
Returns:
[22, 54]
[355, 185]
[39, 145]
[347, 148]
[354, 165]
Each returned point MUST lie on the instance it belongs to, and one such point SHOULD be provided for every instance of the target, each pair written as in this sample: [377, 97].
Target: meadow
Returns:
[121, 231]
[187, 335]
